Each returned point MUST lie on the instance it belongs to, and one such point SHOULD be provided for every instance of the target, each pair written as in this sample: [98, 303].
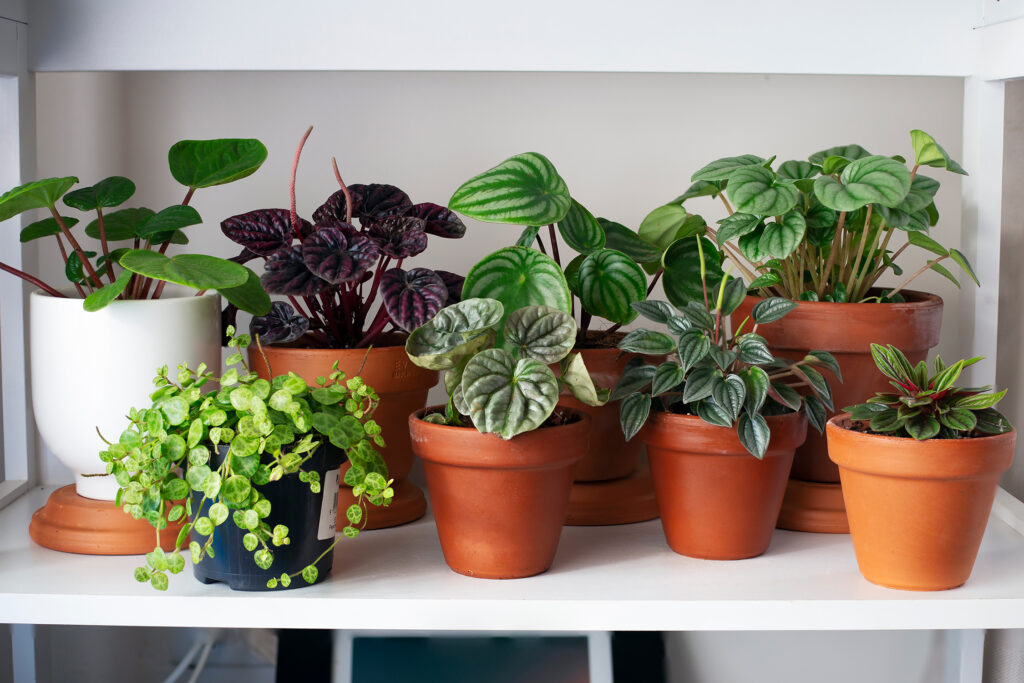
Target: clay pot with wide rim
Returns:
[847, 330]
[499, 505]
[717, 501]
[402, 388]
[917, 509]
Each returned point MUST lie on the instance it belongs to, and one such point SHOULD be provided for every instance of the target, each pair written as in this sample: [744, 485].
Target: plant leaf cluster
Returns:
[338, 264]
[822, 229]
[266, 430]
[929, 405]
[94, 273]
[729, 380]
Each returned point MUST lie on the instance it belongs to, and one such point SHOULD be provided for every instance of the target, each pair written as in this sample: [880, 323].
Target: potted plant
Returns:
[499, 456]
[919, 467]
[605, 277]
[334, 274]
[253, 466]
[822, 232]
[721, 418]
[116, 321]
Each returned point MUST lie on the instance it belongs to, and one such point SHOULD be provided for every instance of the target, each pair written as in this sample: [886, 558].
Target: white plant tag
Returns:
[329, 508]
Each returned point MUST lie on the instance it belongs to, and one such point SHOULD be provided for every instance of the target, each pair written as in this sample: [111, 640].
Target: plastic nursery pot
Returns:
[499, 505]
[311, 519]
[717, 501]
[917, 509]
[402, 388]
[847, 332]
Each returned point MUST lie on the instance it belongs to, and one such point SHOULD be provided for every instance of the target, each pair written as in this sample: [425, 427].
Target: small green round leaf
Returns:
[107, 193]
[871, 180]
[754, 434]
[40, 194]
[192, 270]
[204, 163]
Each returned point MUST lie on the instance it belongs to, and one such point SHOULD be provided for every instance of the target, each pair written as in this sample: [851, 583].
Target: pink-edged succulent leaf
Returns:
[281, 325]
[454, 284]
[440, 220]
[263, 231]
[287, 274]
[399, 236]
[411, 298]
[337, 256]
[377, 201]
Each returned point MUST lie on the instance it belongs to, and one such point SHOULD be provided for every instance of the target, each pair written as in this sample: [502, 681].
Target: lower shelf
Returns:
[603, 578]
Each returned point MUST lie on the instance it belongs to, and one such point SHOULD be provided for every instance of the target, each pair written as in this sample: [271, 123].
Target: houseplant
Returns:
[604, 277]
[726, 419]
[823, 232]
[333, 273]
[264, 455]
[499, 456]
[127, 324]
[920, 466]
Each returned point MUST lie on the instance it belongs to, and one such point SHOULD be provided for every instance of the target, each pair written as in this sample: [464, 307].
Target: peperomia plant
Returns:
[606, 276]
[263, 431]
[327, 264]
[929, 406]
[822, 229]
[504, 389]
[141, 270]
[729, 380]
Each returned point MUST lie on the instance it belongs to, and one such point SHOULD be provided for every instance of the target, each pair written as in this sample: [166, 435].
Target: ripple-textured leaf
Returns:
[518, 277]
[336, 257]
[540, 332]
[871, 180]
[522, 190]
[262, 231]
[412, 297]
[508, 397]
[754, 190]
[609, 283]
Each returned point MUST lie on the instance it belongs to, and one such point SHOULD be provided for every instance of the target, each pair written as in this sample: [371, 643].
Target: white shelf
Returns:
[603, 578]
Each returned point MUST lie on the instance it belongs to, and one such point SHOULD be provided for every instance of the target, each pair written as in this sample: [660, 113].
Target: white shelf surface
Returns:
[603, 578]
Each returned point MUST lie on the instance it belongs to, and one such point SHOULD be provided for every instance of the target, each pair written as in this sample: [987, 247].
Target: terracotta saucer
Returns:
[813, 506]
[74, 524]
[619, 501]
[408, 505]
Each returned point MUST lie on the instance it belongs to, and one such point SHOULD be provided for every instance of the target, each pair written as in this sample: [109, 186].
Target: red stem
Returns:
[540, 243]
[34, 280]
[344, 191]
[103, 241]
[554, 244]
[291, 185]
[378, 325]
[657, 276]
[93, 277]
[64, 255]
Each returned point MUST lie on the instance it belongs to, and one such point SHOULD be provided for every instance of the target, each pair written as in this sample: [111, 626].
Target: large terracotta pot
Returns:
[402, 388]
[499, 505]
[847, 332]
[917, 509]
[717, 501]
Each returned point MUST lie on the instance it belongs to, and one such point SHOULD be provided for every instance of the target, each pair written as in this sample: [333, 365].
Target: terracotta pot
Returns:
[499, 505]
[717, 501]
[847, 332]
[402, 388]
[917, 509]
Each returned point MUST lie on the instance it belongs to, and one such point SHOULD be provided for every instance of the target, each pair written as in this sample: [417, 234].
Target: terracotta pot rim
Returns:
[916, 300]
[842, 421]
[674, 431]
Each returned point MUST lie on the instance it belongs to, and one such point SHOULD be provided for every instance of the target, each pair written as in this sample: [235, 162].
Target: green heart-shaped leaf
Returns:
[668, 376]
[609, 283]
[735, 226]
[754, 434]
[798, 170]
[779, 240]
[522, 190]
[171, 218]
[669, 223]
[850, 152]
[40, 194]
[927, 152]
[580, 229]
[541, 333]
[753, 189]
[120, 225]
[701, 188]
[107, 193]
[104, 295]
[248, 296]
[46, 228]
[871, 180]
[621, 238]
[191, 270]
[730, 393]
[633, 412]
[722, 169]
[508, 397]
[205, 163]
[454, 333]
[922, 193]
[682, 262]
[648, 342]
[772, 309]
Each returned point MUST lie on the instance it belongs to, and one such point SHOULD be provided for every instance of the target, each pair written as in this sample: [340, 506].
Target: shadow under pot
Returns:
[402, 388]
[717, 501]
[499, 506]
[917, 509]
[311, 519]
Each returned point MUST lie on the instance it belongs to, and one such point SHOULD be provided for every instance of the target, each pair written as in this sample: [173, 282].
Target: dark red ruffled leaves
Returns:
[377, 201]
[411, 298]
[263, 231]
[280, 326]
[287, 274]
[454, 284]
[399, 236]
[333, 210]
[439, 220]
[336, 256]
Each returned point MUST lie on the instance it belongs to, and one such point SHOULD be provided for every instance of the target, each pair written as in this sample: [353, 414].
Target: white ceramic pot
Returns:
[89, 369]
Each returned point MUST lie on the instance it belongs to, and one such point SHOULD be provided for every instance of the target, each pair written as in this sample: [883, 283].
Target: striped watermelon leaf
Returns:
[609, 283]
[518, 277]
[508, 397]
[412, 297]
[522, 190]
[682, 270]
[580, 229]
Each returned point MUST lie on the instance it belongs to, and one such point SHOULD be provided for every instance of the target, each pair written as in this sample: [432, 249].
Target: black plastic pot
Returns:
[310, 521]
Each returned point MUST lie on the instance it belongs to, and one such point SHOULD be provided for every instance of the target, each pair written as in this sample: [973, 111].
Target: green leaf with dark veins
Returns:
[633, 412]
[648, 342]
[722, 169]
[735, 226]
[668, 376]
[580, 229]
[522, 190]
[780, 240]
[754, 434]
[754, 190]
[621, 238]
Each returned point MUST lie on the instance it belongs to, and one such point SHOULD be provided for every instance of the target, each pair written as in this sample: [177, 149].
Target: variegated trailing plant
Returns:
[729, 380]
[141, 271]
[929, 406]
[823, 229]
[610, 271]
[332, 271]
[495, 357]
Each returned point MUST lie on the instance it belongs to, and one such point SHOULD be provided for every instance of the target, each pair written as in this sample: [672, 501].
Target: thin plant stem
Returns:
[654, 281]
[294, 215]
[554, 244]
[64, 256]
[726, 202]
[103, 242]
[94, 279]
[540, 245]
[826, 274]
[188, 196]
[344, 189]
[32, 279]
[860, 251]
[919, 271]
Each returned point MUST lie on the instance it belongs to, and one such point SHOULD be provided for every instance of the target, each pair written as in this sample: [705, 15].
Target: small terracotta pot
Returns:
[917, 509]
[717, 501]
[402, 388]
[847, 332]
[499, 505]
